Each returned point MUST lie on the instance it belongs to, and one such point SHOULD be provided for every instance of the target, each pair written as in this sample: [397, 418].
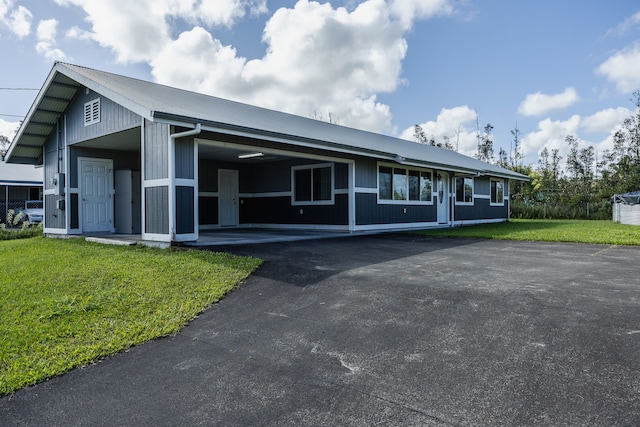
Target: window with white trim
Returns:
[92, 112]
[404, 185]
[464, 190]
[313, 184]
[497, 192]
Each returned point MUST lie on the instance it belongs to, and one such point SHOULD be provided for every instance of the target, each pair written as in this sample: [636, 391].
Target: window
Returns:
[464, 189]
[404, 185]
[313, 184]
[92, 112]
[497, 192]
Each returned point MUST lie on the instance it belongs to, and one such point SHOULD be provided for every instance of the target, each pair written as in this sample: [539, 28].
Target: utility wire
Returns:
[17, 88]
[11, 115]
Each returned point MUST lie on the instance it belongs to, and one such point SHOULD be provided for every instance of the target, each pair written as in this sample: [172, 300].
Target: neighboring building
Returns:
[18, 183]
[123, 155]
[626, 208]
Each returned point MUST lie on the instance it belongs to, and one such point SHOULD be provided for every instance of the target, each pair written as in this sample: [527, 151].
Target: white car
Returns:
[33, 211]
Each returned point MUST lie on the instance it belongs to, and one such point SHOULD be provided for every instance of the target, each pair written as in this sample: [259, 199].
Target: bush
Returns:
[600, 210]
[24, 232]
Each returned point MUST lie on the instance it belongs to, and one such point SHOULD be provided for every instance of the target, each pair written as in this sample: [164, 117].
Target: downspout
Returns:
[172, 175]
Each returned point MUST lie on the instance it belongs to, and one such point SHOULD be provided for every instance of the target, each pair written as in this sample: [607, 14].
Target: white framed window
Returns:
[464, 190]
[312, 184]
[497, 192]
[404, 185]
[92, 112]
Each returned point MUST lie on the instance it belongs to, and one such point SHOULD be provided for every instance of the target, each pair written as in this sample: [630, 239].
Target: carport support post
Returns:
[172, 181]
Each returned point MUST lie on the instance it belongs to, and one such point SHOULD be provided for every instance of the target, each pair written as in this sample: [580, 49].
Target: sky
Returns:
[546, 67]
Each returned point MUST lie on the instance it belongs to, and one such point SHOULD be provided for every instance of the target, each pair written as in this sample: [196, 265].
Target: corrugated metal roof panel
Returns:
[154, 101]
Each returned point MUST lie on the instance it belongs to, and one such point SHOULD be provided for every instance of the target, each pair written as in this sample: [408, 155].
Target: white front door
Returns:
[228, 197]
[442, 186]
[96, 195]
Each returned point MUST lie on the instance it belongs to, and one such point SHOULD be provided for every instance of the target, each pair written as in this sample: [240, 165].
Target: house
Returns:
[18, 183]
[626, 208]
[121, 155]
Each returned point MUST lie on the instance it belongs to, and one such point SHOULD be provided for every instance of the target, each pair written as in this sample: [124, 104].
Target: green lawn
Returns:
[65, 303]
[577, 231]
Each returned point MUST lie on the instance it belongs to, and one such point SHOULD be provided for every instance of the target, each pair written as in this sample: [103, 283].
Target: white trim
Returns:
[482, 196]
[407, 168]
[341, 191]
[267, 194]
[208, 194]
[366, 190]
[157, 237]
[455, 189]
[311, 167]
[479, 221]
[400, 226]
[326, 227]
[143, 184]
[501, 202]
[351, 203]
[60, 231]
[185, 182]
[163, 182]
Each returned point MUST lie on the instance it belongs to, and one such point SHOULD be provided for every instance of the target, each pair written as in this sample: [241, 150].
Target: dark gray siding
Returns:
[157, 210]
[184, 210]
[278, 210]
[481, 209]
[156, 161]
[53, 164]
[366, 173]
[54, 218]
[113, 118]
[369, 212]
[482, 185]
[184, 158]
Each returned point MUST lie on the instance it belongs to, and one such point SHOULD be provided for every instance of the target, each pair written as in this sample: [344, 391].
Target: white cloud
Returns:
[458, 124]
[136, 30]
[46, 46]
[607, 120]
[318, 58]
[622, 69]
[18, 20]
[550, 134]
[8, 129]
[626, 25]
[537, 104]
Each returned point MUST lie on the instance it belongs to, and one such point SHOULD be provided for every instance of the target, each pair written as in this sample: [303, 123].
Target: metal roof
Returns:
[157, 102]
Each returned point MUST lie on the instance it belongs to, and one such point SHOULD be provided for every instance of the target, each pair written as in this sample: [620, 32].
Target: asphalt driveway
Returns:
[383, 330]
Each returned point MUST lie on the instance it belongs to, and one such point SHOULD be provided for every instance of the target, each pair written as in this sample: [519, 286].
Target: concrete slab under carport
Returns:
[383, 330]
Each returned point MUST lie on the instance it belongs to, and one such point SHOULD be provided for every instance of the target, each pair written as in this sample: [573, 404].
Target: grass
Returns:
[66, 303]
[576, 231]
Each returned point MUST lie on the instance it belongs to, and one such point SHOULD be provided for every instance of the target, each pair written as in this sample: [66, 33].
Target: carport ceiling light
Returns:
[250, 155]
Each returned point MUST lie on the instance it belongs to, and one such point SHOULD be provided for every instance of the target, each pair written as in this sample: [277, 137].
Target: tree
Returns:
[4, 146]
[333, 119]
[516, 155]
[485, 144]
[421, 136]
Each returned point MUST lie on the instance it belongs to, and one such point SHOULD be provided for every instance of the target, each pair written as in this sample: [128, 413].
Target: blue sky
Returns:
[553, 67]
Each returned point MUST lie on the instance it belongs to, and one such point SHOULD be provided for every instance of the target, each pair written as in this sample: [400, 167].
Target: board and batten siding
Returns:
[156, 151]
[113, 118]
[53, 163]
[184, 158]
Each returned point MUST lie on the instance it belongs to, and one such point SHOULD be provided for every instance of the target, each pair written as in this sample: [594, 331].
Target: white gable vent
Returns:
[92, 112]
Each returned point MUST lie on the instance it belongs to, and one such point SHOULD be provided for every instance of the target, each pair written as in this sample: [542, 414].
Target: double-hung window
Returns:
[497, 192]
[313, 184]
[464, 190]
[405, 185]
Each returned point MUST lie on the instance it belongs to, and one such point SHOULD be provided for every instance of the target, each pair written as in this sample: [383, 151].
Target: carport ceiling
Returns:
[213, 152]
